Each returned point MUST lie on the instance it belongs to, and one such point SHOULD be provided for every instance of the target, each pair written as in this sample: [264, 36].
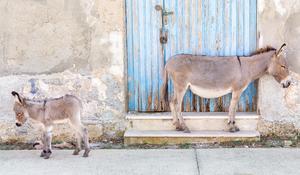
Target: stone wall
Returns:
[52, 47]
[278, 22]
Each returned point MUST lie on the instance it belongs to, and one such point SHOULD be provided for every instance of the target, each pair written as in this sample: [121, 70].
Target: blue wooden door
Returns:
[158, 29]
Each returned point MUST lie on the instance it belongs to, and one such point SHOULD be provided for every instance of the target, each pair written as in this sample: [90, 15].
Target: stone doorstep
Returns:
[177, 134]
[191, 115]
[195, 121]
[176, 137]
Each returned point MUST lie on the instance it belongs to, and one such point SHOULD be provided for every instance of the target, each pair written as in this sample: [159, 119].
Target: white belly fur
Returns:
[209, 93]
[61, 121]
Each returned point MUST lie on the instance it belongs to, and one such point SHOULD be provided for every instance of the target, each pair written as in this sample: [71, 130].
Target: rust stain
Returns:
[203, 105]
[188, 105]
[157, 105]
[194, 100]
[219, 105]
[149, 102]
[207, 109]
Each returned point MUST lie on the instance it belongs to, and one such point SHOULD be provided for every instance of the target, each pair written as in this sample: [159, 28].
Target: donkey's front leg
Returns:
[232, 109]
[174, 115]
[43, 153]
[47, 139]
[78, 145]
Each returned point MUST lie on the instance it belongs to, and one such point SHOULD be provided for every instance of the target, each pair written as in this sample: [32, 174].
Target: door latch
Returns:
[163, 36]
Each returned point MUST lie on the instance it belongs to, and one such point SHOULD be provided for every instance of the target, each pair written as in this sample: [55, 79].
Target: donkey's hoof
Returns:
[76, 152]
[43, 153]
[231, 127]
[179, 128]
[186, 130]
[86, 153]
[234, 129]
[47, 154]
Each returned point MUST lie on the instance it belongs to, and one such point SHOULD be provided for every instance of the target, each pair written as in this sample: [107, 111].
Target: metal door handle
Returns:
[164, 14]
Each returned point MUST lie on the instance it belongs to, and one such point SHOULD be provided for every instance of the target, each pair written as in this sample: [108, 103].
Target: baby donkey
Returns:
[50, 111]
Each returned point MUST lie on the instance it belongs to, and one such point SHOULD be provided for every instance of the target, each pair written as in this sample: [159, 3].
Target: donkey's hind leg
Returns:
[78, 143]
[180, 91]
[174, 115]
[76, 125]
[82, 133]
[86, 142]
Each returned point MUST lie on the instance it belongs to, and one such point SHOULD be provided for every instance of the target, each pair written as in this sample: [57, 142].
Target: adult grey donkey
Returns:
[212, 77]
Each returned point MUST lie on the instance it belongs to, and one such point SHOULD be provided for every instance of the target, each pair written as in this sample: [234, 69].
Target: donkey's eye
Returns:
[283, 66]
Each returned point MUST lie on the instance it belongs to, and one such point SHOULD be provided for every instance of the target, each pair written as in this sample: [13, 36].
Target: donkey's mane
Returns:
[262, 50]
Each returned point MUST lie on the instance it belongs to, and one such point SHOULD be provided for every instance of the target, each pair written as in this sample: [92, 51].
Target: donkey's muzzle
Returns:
[18, 124]
[286, 85]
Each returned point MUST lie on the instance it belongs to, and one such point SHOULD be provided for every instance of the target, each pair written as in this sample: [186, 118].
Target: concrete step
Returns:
[208, 121]
[175, 137]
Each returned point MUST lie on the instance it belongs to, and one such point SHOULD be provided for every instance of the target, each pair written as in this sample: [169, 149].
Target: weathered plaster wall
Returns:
[52, 47]
[278, 22]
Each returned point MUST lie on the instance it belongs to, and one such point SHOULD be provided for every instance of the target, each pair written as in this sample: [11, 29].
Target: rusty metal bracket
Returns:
[163, 38]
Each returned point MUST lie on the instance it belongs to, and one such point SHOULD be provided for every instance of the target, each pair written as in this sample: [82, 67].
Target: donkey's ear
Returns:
[279, 52]
[18, 98]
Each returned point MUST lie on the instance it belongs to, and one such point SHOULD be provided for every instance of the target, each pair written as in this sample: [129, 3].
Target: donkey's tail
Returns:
[164, 88]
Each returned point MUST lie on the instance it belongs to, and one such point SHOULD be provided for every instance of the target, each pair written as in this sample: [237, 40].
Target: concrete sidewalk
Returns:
[155, 162]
